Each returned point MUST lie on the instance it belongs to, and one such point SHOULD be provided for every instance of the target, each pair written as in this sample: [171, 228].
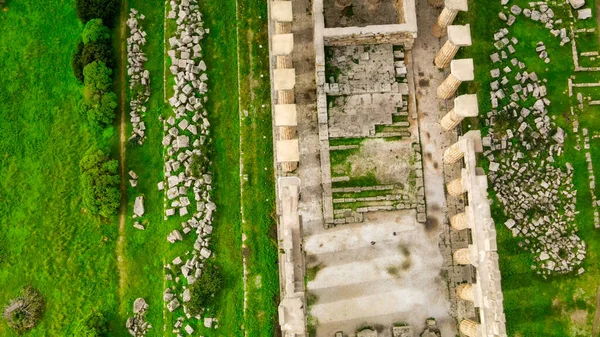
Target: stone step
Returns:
[364, 188]
[343, 147]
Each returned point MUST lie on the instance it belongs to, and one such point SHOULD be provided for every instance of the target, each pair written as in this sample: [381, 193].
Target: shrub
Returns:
[205, 289]
[94, 325]
[92, 51]
[99, 103]
[95, 31]
[100, 183]
[77, 63]
[24, 312]
[107, 10]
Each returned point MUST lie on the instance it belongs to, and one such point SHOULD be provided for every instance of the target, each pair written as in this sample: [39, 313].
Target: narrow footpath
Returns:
[121, 82]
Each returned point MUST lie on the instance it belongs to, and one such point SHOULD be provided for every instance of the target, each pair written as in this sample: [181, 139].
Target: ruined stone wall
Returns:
[397, 38]
[484, 291]
[291, 310]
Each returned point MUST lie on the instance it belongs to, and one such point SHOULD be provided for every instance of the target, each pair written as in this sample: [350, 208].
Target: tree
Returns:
[90, 52]
[103, 111]
[106, 10]
[100, 182]
[94, 325]
[97, 76]
[204, 291]
[99, 103]
[95, 31]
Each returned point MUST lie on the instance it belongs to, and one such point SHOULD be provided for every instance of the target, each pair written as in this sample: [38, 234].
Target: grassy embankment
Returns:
[45, 238]
[561, 305]
[258, 196]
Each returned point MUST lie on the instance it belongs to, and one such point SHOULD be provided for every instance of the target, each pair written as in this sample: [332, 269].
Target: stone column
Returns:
[460, 71]
[458, 221]
[454, 153]
[458, 36]
[468, 327]
[461, 256]
[285, 96]
[283, 27]
[284, 62]
[464, 106]
[465, 292]
[451, 9]
[455, 187]
[445, 55]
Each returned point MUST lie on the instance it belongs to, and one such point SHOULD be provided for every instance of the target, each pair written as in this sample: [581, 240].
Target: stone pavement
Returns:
[433, 142]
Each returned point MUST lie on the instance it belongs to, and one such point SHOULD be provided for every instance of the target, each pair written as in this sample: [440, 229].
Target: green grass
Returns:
[535, 306]
[48, 241]
[220, 48]
[258, 198]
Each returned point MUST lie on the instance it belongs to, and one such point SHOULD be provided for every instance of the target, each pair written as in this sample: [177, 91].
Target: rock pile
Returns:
[137, 325]
[139, 77]
[540, 12]
[537, 194]
[188, 180]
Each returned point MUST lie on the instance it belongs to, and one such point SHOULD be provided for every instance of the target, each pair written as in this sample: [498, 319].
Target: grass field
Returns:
[45, 238]
[561, 305]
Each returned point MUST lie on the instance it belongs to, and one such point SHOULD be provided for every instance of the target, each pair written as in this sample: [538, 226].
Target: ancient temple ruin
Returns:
[365, 228]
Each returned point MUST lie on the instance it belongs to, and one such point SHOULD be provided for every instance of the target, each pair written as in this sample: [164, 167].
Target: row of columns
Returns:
[464, 106]
[458, 222]
[284, 74]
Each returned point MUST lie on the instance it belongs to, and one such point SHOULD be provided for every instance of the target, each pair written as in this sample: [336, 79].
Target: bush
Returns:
[95, 325]
[205, 289]
[92, 51]
[100, 183]
[95, 31]
[24, 312]
[99, 103]
[107, 10]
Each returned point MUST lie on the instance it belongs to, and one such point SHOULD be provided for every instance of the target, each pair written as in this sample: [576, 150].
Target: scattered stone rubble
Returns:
[537, 194]
[137, 325]
[188, 180]
[139, 77]
[540, 12]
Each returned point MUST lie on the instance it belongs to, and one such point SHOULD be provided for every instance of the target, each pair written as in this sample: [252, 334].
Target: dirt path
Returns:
[596, 325]
[122, 139]
[241, 118]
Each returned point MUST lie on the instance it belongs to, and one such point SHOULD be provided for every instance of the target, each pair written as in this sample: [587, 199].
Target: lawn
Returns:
[561, 305]
[45, 238]
[73, 260]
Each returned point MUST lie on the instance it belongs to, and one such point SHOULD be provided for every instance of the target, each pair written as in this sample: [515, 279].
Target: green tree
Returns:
[97, 76]
[99, 103]
[107, 10]
[95, 31]
[100, 183]
[87, 53]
